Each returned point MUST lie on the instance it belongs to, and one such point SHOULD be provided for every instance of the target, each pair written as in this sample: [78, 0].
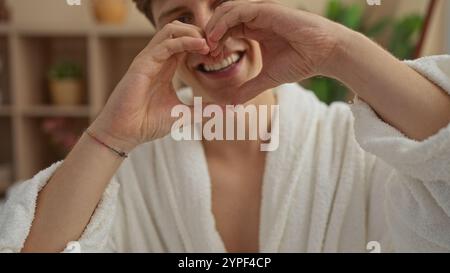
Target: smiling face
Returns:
[211, 78]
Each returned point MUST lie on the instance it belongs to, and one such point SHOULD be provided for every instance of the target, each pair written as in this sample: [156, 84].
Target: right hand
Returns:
[139, 109]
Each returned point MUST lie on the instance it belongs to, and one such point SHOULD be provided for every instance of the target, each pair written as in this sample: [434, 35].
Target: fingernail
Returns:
[218, 52]
[213, 45]
[210, 36]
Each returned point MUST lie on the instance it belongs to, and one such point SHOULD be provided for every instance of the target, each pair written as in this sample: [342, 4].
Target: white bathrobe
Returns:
[340, 178]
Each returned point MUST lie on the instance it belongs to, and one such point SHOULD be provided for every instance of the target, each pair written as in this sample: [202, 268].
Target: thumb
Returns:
[253, 88]
[168, 70]
[239, 32]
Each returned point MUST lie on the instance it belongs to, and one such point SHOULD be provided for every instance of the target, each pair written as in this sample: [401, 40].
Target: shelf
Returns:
[123, 31]
[38, 148]
[6, 154]
[5, 29]
[55, 31]
[5, 96]
[45, 31]
[37, 55]
[5, 140]
[116, 57]
[5, 111]
[4, 185]
[71, 31]
[56, 111]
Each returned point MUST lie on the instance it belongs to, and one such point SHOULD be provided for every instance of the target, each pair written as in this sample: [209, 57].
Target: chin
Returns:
[221, 92]
[221, 96]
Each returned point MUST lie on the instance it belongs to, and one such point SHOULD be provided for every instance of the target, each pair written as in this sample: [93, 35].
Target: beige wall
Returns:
[56, 13]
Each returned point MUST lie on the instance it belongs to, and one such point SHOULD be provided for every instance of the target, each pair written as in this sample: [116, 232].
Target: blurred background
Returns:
[59, 63]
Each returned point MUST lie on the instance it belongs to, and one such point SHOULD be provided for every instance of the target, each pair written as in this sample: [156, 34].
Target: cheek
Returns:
[183, 73]
[255, 58]
[186, 75]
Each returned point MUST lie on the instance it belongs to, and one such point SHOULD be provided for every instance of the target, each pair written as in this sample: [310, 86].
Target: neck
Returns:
[231, 148]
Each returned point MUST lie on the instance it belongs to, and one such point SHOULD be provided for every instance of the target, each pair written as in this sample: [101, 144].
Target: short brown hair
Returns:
[146, 8]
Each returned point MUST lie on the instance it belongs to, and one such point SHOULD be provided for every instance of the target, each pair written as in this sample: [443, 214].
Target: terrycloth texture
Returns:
[18, 212]
[321, 191]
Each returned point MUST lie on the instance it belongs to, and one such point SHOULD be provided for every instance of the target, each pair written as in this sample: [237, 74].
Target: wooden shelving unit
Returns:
[41, 32]
[27, 50]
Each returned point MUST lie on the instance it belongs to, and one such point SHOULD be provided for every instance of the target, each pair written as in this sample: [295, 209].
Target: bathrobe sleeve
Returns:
[17, 214]
[416, 202]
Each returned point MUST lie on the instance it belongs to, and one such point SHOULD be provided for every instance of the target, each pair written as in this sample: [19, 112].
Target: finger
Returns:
[171, 47]
[173, 30]
[253, 88]
[190, 28]
[232, 18]
[168, 71]
[218, 52]
[177, 29]
[240, 31]
[219, 12]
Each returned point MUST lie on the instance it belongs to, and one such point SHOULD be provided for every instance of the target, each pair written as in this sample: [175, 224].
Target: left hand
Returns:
[295, 44]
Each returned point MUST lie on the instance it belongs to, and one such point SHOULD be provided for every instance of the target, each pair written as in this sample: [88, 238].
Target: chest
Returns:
[236, 202]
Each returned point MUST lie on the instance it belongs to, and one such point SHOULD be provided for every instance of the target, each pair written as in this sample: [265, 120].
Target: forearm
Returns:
[138, 111]
[398, 94]
[67, 202]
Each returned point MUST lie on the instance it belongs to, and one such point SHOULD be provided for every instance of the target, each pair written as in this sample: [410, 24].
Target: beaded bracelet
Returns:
[119, 153]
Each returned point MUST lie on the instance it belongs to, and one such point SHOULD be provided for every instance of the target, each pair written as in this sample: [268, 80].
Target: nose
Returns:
[203, 16]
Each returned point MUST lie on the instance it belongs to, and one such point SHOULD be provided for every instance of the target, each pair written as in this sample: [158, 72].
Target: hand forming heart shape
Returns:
[295, 45]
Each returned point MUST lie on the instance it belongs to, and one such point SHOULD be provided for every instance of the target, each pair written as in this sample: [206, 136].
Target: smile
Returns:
[222, 65]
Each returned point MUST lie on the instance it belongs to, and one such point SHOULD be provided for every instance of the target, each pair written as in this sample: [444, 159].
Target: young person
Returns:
[343, 176]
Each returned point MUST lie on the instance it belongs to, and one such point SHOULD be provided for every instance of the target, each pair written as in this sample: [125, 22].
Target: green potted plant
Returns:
[66, 84]
[402, 35]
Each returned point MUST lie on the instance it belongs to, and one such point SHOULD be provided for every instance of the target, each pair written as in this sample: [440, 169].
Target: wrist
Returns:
[338, 62]
[104, 133]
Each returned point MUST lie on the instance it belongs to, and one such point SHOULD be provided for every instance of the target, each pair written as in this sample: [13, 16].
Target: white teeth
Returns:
[233, 58]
